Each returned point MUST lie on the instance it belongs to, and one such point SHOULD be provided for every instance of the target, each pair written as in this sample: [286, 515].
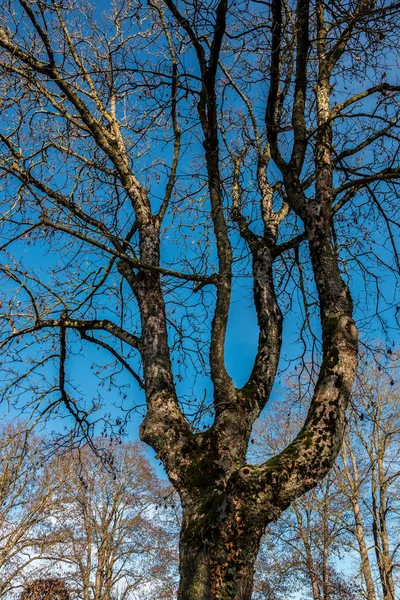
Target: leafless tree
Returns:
[368, 472]
[26, 495]
[109, 532]
[152, 157]
[354, 511]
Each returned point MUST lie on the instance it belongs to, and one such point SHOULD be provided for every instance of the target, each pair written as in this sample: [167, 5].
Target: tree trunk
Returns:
[325, 552]
[219, 544]
[386, 560]
[309, 560]
[379, 509]
[365, 564]
[353, 485]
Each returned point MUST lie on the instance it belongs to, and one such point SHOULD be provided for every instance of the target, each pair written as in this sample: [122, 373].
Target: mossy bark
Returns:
[218, 550]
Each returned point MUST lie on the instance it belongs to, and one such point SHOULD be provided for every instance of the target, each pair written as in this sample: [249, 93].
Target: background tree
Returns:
[344, 516]
[368, 473]
[109, 529]
[26, 495]
[130, 148]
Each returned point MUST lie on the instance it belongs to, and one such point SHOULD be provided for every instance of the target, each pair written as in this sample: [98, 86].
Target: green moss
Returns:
[308, 439]
[207, 512]
[249, 398]
[279, 463]
[200, 467]
[199, 585]
[274, 463]
[194, 530]
[199, 472]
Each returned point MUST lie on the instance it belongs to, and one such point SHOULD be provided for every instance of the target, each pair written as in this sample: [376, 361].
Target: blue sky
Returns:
[242, 335]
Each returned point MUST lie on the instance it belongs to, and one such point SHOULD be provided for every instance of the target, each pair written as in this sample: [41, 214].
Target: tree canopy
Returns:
[160, 161]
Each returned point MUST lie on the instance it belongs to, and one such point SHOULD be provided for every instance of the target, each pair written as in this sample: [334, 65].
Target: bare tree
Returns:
[107, 529]
[301, 552]
[26, 495]
[368, 471]
[129, 150]
[110, 530]
[354, 511]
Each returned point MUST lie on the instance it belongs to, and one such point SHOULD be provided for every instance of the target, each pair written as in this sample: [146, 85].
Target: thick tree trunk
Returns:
[219, 544]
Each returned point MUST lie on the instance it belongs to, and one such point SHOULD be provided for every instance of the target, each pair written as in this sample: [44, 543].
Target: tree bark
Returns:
[326, 542]
[219, 544]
